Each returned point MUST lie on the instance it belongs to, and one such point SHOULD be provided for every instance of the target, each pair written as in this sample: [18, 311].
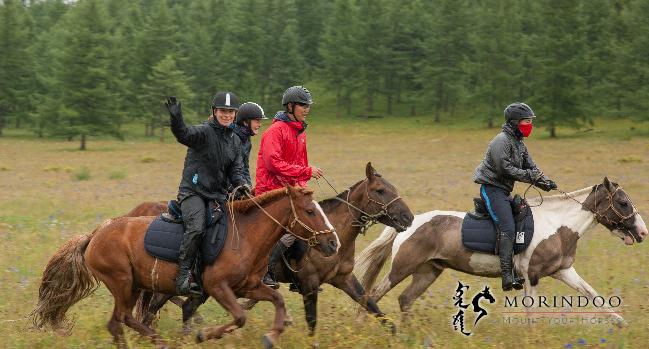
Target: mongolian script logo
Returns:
[458, 318]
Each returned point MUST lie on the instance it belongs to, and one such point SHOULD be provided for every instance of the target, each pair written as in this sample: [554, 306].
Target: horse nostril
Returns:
[407, 218]
[332, 244]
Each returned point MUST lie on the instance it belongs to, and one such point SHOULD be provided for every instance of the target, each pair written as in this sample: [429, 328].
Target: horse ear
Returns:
[608, 185]
[369, 170]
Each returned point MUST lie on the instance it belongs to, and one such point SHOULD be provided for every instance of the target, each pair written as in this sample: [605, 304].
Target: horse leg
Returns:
[125, 298]
[570, 277]
[156, 303]
[226, 298]
[265, 293]
[189, 307]
[311, 310]
[250, 303]
[349, 284]
[423, 277]
[115, 329]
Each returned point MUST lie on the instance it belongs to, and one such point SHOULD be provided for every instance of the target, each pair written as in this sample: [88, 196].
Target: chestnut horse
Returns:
[434, 242]
[114, 254]
[369, 201]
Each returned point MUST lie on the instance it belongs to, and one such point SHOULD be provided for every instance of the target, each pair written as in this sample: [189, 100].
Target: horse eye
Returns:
[624, 204]
[310, 212]
[380, 191]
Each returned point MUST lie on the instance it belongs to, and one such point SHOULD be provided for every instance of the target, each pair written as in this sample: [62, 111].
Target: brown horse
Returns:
[114, 254]
[434, 243]
[369, 201]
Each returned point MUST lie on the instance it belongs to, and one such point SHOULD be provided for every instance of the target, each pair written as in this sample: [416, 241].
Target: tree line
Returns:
[84, 68]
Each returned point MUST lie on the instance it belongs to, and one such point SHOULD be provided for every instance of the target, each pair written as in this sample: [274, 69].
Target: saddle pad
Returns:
[480, 234]
[162, 240]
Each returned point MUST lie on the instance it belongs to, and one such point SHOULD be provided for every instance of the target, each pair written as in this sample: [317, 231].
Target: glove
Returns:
[243, 191]
[173, 107]
[546, 184]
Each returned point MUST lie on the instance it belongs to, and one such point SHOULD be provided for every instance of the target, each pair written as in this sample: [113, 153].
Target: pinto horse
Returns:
[369, 201]
[434, 242]
[114, 254]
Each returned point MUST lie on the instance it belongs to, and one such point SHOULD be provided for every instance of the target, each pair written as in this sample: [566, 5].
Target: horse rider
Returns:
[505, 162]
[283, 158]
[213, 160]
[247, 125]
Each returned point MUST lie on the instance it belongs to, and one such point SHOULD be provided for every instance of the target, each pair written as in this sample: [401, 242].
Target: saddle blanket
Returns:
[480, 234]
[162, 240]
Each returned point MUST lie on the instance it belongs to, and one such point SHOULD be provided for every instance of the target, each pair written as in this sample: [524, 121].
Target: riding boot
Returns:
[506, 251]
[188, 249]
[275, 256]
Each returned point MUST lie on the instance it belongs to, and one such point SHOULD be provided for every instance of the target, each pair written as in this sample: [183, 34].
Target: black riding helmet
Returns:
[518, 111]
[225, 100]
[249, 111]
[297, 94]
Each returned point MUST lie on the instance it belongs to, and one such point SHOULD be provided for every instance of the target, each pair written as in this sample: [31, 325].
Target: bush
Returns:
[83, 174]
[117, 174]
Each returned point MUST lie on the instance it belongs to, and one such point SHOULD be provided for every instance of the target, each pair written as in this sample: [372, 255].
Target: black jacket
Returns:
[506, 161]
[213, 159]
[246, 147]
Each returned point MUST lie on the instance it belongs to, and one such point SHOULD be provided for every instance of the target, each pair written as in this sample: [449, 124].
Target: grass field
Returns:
[51, 191]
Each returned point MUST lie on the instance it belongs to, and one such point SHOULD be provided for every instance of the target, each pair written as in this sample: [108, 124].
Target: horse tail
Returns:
[370, 262]
[66, 280]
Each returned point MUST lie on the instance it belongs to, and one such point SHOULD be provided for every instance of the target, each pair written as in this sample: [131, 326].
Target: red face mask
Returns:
[525, 129]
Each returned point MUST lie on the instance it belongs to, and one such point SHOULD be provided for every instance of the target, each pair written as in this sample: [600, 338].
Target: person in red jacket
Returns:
[283, 158]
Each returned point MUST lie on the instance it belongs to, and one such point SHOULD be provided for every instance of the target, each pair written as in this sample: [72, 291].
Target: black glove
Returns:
[546, 184]
[173, 107]
[242, 191]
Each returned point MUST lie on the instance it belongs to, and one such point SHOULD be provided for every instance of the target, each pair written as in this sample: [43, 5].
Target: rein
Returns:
[365, 220]
[311, 241]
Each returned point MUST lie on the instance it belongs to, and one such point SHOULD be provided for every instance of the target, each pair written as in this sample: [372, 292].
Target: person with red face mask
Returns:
[506, 162]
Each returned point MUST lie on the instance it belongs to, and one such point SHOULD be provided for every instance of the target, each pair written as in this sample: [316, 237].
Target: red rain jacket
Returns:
[282, 157]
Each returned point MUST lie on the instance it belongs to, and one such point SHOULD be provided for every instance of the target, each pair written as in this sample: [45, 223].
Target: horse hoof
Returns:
[268, 343]
[187, 330]
[198, 319]
[200, 338]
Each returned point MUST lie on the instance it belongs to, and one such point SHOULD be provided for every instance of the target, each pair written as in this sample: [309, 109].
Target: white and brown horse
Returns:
[434, 243]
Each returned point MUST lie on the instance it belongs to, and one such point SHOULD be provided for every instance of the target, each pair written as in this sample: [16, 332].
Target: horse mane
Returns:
[333, 202]
[559, 197]
[244, 206]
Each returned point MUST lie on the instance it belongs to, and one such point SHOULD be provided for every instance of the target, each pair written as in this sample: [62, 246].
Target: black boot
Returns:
[275, 256]
[188, 249]
[506, 252]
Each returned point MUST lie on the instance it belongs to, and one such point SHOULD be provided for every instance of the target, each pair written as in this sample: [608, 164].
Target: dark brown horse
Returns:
[369, 201]
[114, 254]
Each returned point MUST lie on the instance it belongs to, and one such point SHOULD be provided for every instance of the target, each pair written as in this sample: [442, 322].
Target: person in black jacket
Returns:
[213, 160]
[505, 162]
[247, 125]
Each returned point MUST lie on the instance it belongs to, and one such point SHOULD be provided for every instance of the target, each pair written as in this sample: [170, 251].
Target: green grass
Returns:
[83, 174]
[431, 164]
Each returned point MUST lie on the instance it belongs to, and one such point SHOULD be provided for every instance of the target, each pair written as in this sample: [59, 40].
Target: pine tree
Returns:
[86, 103]
[165, 80]
[15, 75]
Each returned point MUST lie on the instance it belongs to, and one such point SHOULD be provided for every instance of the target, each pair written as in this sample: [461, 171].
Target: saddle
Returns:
[480, 234]
[164, 235]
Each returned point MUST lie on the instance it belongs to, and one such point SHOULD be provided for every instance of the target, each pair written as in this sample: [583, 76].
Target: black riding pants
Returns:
[498, 204]
[193, 210]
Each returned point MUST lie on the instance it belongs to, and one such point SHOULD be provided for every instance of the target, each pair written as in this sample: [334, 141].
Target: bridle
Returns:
[365, 220]
[600, 216]
[311, 240]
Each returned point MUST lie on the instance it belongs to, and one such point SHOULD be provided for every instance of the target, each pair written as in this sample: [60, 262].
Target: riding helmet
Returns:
[518, 111]
[249, 111]
[297, 94]
[225, 100]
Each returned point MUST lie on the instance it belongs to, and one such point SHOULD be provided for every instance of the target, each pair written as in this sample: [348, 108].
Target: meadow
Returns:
[51, 192]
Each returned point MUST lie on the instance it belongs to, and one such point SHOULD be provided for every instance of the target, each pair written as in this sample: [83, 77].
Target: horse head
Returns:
[309, 222]
[614, 210]
[382, 200]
